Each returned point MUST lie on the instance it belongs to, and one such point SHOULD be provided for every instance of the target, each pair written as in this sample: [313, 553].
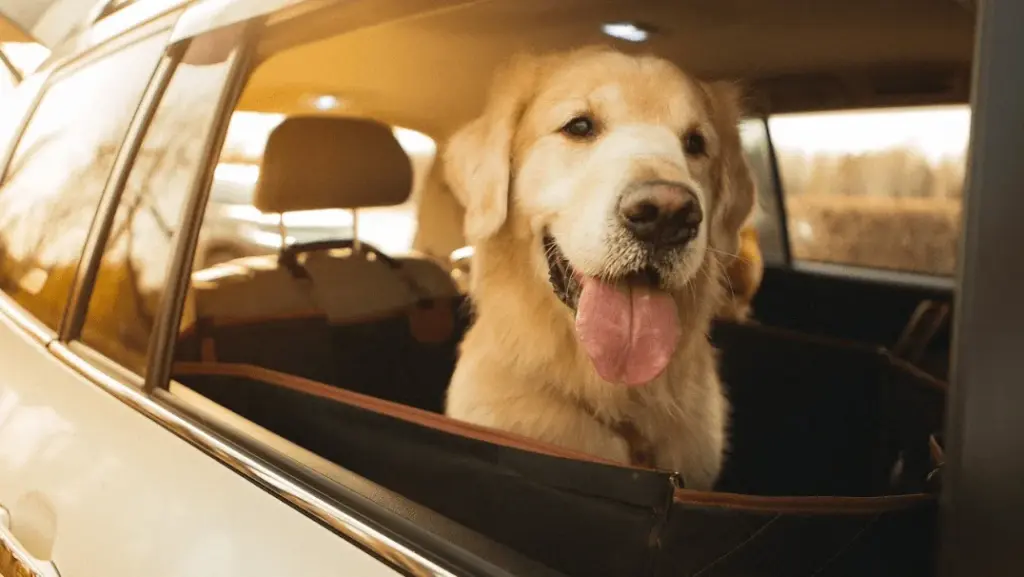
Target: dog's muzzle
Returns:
[566, 282]
[626, 323]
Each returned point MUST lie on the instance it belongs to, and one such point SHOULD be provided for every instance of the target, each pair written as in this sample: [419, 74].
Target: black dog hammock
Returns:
[832, 471]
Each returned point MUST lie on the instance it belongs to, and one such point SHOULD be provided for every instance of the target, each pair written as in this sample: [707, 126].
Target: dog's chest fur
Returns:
[522, 369]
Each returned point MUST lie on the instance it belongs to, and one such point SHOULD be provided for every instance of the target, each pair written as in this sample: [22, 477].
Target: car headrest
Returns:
[317, 162]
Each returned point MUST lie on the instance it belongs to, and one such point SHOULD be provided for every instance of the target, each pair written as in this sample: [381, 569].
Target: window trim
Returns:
[979, 496]
[876, 275]
[780, 196]
[103, 221]
[21, 317]
[172, 303]
[101, 362]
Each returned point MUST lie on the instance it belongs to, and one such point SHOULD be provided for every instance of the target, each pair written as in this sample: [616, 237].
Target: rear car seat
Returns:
[336, 311]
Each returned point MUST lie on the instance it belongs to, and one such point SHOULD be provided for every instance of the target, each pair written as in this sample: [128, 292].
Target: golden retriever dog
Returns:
[604, 194]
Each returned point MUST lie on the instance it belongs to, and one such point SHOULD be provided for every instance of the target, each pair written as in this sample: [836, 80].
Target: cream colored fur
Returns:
[521, 368]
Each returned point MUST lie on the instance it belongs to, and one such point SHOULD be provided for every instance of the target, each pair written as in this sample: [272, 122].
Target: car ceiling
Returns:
[12, 33]
[432, 72]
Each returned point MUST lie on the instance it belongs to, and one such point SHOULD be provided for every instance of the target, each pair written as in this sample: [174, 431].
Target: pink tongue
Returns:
[630, 333]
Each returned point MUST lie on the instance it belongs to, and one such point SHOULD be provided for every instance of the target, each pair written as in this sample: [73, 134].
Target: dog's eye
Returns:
[694, 143]
[579, 127]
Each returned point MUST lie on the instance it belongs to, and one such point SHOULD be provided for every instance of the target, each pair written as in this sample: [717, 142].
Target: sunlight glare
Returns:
[936, 132]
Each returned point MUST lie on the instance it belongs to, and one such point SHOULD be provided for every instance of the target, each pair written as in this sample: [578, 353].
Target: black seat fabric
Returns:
[382, 357]
[807, 488]
[799, 446]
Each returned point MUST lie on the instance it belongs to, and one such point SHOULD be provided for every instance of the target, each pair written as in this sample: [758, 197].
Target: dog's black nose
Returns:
[661, 214]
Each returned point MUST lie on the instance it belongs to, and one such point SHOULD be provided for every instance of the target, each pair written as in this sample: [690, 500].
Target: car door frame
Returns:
[983, 499]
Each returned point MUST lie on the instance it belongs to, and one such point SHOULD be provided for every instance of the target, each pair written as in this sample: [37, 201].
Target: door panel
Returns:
[129, 497]
[856, 308]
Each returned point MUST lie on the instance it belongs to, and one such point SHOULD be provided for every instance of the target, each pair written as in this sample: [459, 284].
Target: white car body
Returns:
[98, 488]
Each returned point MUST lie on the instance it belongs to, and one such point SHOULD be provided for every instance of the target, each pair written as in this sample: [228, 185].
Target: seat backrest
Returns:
[332, 311]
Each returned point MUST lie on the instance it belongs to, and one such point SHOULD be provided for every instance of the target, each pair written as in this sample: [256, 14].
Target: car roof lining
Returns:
[791, 54]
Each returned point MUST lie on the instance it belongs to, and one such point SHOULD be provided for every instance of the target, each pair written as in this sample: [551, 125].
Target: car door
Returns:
[93, 478]
[824, 271]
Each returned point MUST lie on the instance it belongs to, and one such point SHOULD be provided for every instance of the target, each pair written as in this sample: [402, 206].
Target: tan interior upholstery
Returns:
[343, 287]
[319, 162]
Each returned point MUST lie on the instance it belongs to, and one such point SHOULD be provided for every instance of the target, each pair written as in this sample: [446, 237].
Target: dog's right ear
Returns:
[478, 158]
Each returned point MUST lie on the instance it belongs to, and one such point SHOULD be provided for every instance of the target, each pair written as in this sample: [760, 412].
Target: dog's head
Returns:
[627, 178]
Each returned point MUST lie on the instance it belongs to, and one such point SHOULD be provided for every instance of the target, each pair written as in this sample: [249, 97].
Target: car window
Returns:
[874, 188]
[58, 171]
[133, 271]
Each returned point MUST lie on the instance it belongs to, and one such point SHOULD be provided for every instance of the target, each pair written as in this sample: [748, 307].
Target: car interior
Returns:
[837, 379]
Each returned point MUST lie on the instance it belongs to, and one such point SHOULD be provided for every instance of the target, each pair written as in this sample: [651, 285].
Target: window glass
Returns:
[879, 188]
[133, 271]
[57, 174]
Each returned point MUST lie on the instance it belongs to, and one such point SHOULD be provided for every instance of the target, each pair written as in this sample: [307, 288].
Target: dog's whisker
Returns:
[724, 277]
[729, 254]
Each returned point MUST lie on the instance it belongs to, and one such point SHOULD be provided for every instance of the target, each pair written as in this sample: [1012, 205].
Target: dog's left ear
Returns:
[735, 199]
[478, 158]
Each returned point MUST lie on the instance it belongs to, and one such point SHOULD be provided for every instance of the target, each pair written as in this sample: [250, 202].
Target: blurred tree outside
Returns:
[890, 209]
